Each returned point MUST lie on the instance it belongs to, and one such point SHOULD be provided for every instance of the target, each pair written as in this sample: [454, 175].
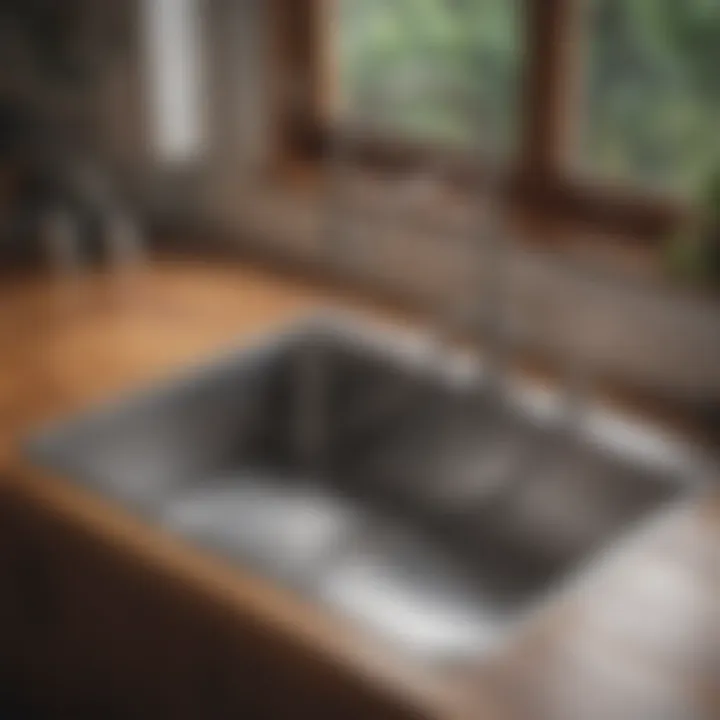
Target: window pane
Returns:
[443, 70]
[654, 91]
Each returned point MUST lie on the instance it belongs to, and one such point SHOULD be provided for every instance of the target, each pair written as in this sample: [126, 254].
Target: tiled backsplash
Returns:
[645, 335]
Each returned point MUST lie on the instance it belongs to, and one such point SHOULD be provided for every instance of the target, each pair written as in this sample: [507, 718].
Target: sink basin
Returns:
[384, 484]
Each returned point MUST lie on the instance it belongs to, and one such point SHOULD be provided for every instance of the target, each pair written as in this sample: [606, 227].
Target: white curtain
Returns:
[174, 70]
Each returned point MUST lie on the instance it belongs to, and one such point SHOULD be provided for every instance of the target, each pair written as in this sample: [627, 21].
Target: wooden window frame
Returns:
[540, 177]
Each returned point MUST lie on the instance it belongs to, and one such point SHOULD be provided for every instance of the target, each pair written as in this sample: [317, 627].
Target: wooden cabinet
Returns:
[89, 632]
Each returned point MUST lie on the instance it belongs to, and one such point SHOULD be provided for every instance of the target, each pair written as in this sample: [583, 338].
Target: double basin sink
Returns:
[388, 484]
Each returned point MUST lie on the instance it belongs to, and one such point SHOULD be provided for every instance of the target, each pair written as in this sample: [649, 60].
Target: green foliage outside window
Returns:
[448, 70]
[653, 92]
[444, 70]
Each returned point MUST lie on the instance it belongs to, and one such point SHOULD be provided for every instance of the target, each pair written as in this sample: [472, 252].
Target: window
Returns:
[171, 32]
[591, 104]
[653, 92]
[438, 70]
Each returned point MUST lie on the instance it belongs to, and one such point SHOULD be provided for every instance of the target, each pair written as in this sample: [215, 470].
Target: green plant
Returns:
[693, 252]
[711, 196]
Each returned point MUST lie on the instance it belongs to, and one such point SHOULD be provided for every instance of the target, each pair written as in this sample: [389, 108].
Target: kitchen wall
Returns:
[235, 127]
[635, 331]
[239, 87]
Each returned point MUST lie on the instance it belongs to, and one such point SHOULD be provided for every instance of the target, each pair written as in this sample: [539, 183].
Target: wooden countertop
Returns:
[642, 640]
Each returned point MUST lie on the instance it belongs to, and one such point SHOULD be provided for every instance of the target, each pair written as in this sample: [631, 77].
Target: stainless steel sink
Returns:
[393, 489]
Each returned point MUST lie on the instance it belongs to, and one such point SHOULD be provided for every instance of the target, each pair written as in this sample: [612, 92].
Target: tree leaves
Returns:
[432, 65]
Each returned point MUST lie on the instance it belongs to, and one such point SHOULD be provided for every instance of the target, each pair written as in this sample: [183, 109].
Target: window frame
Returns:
[540, 177]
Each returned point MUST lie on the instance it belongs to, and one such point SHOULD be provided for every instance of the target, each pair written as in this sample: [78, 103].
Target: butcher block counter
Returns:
[105, 615]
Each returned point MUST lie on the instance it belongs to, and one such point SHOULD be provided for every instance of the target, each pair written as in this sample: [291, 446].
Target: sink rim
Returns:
[609, 427]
